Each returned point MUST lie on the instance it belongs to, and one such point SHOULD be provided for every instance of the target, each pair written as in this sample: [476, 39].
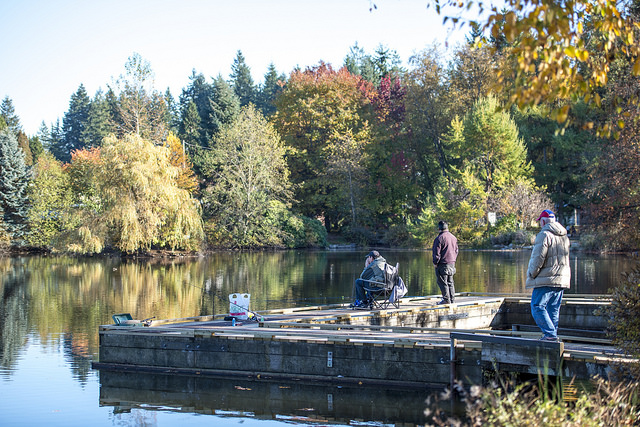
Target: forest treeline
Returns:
[372, 151]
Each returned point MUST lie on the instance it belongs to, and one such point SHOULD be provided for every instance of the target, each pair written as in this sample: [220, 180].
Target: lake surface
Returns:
[51, 307]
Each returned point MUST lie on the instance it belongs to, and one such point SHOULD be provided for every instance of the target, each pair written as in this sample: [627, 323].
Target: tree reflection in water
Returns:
[50, 295]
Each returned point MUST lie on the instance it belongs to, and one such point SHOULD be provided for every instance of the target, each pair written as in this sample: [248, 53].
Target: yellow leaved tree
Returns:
[559, 49]
[141, 204]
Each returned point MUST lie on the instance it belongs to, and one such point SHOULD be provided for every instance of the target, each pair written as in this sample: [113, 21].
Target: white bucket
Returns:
[239, 306]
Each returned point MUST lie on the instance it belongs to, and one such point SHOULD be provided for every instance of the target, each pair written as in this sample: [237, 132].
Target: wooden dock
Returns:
[419, 345]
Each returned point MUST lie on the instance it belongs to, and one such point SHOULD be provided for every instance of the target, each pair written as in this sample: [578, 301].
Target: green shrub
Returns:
[361, 236]
[305, 232]
[517, 238]
[399, 235]
[295, 231]
[624, 320]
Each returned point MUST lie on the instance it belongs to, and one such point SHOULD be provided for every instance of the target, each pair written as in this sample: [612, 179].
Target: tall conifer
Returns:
[74, 124]
[242, 81]
[200, 93]
[99, 122]
[269, 90]
[225, 105]
[13, 186]
[8, 113]
[173, 112]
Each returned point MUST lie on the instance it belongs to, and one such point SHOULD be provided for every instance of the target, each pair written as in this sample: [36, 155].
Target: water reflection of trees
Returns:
[14, 304]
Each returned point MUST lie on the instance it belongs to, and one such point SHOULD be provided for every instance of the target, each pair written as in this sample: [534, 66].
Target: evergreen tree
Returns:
[9, 115]
[360, 63]
[269, 90]
[561, 157]
[373, 68]
[225, 105]
[173, 113]
[74, 123]
[190, 125]
[14, 179]
[200, 93]
[55, 141]
[190, 135]
[23, 143]
[99, 122]
[387, 63]
[241, 81]
[35, 144]
[475, 34]
[44, 134]
[114, 109]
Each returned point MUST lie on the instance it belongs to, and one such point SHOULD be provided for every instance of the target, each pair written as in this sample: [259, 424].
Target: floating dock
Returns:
[421, 344]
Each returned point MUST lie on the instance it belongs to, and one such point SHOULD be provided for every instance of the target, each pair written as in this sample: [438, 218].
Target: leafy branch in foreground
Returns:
[608, 403]
[559, 49]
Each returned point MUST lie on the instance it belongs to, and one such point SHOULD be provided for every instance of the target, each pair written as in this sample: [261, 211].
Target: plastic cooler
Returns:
[239, 305]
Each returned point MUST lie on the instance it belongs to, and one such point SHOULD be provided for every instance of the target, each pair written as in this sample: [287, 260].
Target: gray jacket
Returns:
[549, 263]
[375, 270]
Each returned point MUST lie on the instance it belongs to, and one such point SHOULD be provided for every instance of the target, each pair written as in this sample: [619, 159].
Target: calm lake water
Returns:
[51, 307]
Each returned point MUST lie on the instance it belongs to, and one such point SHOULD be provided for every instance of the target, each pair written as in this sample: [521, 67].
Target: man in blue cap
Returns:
[373, 271]
[549, 274]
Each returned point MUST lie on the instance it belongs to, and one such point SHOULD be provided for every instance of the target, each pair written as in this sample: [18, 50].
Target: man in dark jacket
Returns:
[445, 253]
[373, 271]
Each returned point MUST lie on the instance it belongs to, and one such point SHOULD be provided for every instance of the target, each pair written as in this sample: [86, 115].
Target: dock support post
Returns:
[452, 362]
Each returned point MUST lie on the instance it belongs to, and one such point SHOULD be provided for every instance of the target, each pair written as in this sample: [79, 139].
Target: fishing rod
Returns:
[255, 316]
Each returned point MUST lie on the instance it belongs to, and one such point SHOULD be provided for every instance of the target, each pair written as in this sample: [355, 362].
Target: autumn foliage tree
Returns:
[138, 205]
[325, 119]
[560, 49]
[186, 179]
[614, 189]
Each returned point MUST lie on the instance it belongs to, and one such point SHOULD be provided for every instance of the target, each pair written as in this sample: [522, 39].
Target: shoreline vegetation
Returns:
[332, 242]
[372, 152]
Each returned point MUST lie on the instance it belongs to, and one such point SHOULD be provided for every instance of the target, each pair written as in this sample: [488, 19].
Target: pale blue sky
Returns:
[50, 47]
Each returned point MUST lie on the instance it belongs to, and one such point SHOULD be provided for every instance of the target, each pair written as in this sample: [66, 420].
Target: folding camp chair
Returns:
[381, 294]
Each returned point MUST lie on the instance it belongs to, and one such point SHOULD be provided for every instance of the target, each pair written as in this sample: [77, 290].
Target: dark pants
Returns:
[444, 274]
[360, 284]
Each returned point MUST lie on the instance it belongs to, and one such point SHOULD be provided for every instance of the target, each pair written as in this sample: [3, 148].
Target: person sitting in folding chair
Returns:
[373, 272]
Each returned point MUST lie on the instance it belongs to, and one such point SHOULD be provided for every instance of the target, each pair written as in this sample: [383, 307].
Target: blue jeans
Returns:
[545, 309]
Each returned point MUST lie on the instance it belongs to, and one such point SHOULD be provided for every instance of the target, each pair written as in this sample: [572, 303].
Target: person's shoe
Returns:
[549, 339]
[442, 301]
[358, 304]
